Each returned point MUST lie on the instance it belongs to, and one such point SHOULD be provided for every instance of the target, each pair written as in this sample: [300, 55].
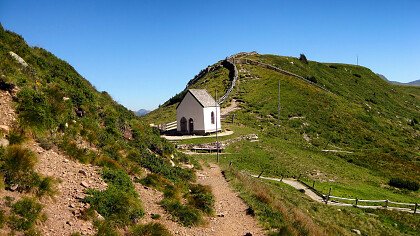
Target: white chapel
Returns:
[198, 113]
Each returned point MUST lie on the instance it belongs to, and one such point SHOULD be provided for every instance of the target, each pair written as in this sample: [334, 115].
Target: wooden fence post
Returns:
[281, 179]
[328, 197]
[415, 207]
[357, 200]
[313, 185]
[386, 203]
[260, 174]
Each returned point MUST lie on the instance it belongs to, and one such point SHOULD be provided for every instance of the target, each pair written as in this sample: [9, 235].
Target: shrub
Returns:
[155, 216]
[414, 122]
[45, 143]
[186, 215]
[115, 205]
[119, 203]
[119, 179]
[151, 229]
[161, 166]
[312, 79]
[6, 86]
[201, 198]
[154, 180]
[303, 59]
[18, 165]
[333, 67]
[357, 75]
[16, 137]
[46, 187]
[403, 183]
[33, 108]
[105, 229]
[25, 212]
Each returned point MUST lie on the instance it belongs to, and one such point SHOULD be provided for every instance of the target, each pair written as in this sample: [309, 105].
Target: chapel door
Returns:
[184, 125]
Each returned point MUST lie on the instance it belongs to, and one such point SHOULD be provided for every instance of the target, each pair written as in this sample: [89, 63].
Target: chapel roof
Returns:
[203, 97]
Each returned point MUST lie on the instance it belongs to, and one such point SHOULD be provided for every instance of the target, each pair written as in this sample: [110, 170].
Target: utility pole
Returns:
[279, 104]
[217, 137]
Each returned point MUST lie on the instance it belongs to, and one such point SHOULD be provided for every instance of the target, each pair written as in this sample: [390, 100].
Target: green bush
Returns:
[34, 109]
[105, 229]
[18, 168]
[151, 229]
[115, 205]
[186, 215]
[16, 137]
[161, 166]
[201, 198]
[25, 212]
[46, 187]
[119, 203]
[403, 183]
[119, 179]
[154, 180]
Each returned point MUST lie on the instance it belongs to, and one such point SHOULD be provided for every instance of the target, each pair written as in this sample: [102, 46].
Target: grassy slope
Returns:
[362, 114]
[49, 93]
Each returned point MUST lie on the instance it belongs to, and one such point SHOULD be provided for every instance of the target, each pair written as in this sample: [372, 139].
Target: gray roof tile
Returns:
[203, 97]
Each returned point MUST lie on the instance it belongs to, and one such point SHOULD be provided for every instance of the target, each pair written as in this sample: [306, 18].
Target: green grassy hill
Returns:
[372, 125]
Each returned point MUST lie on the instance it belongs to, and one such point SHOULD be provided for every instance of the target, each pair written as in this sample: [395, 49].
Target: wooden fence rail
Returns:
[411, 207]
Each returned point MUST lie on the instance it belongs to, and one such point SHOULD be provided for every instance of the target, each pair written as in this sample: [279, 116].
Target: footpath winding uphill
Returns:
[230, 219]
[64, 209]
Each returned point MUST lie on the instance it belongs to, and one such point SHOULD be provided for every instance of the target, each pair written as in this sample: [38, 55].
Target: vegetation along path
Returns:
[230, 211]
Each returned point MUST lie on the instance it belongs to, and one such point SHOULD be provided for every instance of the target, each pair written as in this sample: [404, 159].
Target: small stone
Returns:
[84, 184]
[83, 172]
[76, 212]
[4, 142]
[5, 128]
[72, 205]
[14, 187]
[248, 234]
[339, 210]
[145, 187]
[69, 223]
[221, 215]
[100, 217]
[356, 231]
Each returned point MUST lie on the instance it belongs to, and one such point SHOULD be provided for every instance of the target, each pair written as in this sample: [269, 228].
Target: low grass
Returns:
[151, 229]
[285, 210]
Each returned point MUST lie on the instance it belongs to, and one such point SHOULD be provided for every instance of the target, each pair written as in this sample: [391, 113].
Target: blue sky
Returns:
[144, 52]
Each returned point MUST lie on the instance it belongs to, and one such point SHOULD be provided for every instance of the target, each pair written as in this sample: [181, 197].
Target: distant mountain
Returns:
[415, 82]
[412, 83]
[142, 112]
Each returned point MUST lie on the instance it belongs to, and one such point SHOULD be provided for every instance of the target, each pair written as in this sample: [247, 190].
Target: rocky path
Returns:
[231, 108]
[64, 209]
[72, 178]
[230, 218]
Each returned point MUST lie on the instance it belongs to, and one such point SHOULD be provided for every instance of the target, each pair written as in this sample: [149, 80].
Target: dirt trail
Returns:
[230, 218]
[231, 108]
[64, 209]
